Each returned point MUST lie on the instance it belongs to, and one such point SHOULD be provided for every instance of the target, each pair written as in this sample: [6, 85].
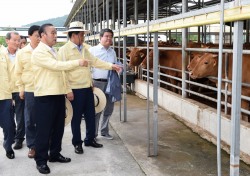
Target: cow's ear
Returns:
[128, 53]
[214, 62]
[142, 54]
[214, 55]
[204, 46]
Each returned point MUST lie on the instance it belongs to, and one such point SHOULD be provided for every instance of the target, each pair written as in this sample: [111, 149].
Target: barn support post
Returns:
[93, 42]
[236, 97]
[85, 17]
[184, 45]
[155, 84]
[101, 19]
[124, 63]
[107, 13]
[82, 11]
[103, 13]
[148, 101]
[247, 31]
[97, 15]
[136, 20]
[119, 46]
[113, 15]
[219, 89]
[90, 18]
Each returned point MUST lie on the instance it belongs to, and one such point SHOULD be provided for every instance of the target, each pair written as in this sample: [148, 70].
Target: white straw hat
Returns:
[69, 112]
[100, 99]
[76, 26]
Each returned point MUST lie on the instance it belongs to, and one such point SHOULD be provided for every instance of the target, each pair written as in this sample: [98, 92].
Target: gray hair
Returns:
[8, 35]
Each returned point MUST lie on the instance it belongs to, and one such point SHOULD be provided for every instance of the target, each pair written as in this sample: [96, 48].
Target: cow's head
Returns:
[207, 66]
[196, 58]
[136, 56]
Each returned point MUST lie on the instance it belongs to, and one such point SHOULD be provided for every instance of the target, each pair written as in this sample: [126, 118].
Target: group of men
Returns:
[36, 80]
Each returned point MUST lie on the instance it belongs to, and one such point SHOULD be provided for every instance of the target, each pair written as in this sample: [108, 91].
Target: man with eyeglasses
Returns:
[80, 91]
[104, 51]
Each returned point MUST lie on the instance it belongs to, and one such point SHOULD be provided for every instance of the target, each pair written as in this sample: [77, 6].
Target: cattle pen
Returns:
[221, 26]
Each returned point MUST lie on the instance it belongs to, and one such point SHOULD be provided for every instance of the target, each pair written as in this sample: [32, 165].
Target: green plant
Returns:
[2, 41]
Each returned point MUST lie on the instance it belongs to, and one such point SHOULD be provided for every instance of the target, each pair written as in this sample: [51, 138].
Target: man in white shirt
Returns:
[100, 76]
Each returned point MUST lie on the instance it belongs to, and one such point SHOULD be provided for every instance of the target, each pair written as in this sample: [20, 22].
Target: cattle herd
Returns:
[200, 65]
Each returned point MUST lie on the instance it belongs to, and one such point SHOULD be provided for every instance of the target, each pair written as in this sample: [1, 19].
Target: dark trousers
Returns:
[19, 113]
[30, 128]
[6, 122]
[49, 115]
[83, 103]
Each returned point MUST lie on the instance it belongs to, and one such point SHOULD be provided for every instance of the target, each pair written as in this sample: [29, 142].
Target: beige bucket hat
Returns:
[69, 112]
[100, 99]
[76, 26]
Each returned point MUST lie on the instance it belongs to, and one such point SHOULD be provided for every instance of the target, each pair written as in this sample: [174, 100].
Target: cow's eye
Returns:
[206, 62]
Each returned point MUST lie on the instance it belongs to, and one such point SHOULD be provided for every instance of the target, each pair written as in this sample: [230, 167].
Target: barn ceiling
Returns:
[166, 8]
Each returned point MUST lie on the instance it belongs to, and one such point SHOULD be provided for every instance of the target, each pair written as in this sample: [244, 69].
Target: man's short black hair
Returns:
[106, 30]
[32, 29]
[73, 32]
[23, 37]
[42, 28]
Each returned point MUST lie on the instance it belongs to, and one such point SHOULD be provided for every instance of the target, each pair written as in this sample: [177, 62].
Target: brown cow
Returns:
[196, 58]
[136, 56]
[167, 58]
[171, 59]
[208, 66]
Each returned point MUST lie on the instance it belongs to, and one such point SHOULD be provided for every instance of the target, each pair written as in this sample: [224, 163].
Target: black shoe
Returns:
[43, 169]
[93, 144]
[60, 159]
[78, 149]
[10, 154]
[18, 145]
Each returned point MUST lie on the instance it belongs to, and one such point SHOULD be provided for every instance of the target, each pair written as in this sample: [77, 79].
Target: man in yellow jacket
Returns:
[13, 42]
[49, 93]
[80, 83]
[24, 76]
[6, 120]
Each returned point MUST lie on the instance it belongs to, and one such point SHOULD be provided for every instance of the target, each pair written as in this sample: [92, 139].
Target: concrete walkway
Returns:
[180, 151]
[112, 160]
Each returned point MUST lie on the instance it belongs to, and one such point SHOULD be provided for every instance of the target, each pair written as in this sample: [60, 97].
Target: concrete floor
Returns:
[180, 151]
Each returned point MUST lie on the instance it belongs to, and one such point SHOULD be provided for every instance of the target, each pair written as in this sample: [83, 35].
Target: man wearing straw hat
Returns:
[49, 98]
[80, 91]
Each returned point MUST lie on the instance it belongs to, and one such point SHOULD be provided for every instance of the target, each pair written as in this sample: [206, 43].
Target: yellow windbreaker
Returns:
[48, 71]
[5, 77]
[23, 70]
[80, 77]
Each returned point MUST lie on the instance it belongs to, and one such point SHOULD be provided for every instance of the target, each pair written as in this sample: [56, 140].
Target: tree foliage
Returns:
[2, 41]
[57, 22]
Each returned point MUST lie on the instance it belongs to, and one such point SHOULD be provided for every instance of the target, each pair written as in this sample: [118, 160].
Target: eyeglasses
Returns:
[108, 36]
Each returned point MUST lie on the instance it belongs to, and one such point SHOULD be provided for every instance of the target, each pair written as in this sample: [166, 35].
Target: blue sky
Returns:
[20, 12]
